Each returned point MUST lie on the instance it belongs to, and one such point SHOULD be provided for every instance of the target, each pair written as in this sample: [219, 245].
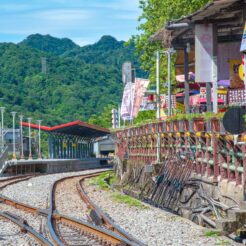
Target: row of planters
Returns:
[181, 123]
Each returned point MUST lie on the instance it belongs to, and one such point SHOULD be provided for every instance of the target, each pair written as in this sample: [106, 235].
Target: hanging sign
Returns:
[204, 52]
[235, 79]
[243, 43]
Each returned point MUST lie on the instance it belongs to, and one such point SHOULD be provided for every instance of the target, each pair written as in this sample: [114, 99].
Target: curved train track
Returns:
[102, 216]
[64, 230]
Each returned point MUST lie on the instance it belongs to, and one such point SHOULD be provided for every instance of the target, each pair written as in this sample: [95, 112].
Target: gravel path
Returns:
[68, 200]
[36, 191]
[153, 226]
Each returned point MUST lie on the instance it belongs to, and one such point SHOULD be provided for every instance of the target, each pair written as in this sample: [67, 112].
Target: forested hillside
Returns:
[80, 81]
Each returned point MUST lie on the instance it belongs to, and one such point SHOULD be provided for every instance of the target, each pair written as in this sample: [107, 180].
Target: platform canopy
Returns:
[75, 128]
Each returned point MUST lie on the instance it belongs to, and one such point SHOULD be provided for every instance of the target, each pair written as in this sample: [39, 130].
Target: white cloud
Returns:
[63, 15]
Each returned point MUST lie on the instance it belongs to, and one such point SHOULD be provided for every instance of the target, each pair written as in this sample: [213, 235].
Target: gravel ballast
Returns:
[151, 225]
[36, 191]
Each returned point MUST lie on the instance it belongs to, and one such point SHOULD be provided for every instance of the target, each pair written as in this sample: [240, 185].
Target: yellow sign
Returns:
[180, 106]
[235, 79]
[241, 72]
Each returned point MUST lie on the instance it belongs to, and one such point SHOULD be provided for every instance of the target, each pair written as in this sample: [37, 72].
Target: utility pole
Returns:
[30, 140]
[21, 138]
[14, 152]
[39, 140]
[2, 130]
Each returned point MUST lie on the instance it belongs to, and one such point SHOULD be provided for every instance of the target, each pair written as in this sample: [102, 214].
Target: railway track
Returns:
[62, 227]
[25, 228]
[13, 180]
[101, 216]
[65, 230]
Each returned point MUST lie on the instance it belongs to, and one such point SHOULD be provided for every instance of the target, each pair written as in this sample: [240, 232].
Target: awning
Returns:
[204, 100]
[75, 128]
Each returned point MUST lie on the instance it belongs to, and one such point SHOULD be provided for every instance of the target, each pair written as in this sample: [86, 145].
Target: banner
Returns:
[139, 90]
[145, 105]
[243, 44]
[127, 102]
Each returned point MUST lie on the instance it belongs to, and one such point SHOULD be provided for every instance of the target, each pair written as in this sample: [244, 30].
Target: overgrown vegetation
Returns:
[212, 233]
[100, 180]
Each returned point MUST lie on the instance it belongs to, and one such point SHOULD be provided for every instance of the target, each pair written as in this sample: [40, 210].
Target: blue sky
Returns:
[83, 21]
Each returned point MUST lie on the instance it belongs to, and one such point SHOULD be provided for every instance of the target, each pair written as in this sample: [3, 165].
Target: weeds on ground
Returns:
[100, 182]
[121, 198]
[212, 233]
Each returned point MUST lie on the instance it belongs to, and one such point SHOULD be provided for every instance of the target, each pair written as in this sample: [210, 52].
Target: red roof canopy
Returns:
[76, 128]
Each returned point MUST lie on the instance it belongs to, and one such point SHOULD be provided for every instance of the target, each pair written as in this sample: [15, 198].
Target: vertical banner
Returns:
[243, 43]
[127, 101]
[204, 52]
[140, 88]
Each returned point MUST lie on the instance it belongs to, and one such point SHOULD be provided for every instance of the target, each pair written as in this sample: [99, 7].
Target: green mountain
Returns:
[79, 82]
[49, 44]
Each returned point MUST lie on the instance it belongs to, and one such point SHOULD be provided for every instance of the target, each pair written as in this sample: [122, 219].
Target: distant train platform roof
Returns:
[76, 128]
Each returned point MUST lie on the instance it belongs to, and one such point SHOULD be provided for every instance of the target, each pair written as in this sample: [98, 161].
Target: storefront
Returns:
[209, 70]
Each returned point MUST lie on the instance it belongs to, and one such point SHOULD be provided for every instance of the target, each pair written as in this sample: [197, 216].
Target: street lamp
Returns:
[2, 133]
[30, 140]
[169, 53]
[21, 137]
[39, 140]
[14, 153]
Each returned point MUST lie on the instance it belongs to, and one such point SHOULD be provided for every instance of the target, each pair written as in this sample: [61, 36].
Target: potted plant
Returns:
[175, 123]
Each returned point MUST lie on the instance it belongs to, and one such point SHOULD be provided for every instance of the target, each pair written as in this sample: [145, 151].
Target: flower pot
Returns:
[160, 127]
[175, 126]
[198, 124]
[168, 126]
[186, 125]
[215, 125]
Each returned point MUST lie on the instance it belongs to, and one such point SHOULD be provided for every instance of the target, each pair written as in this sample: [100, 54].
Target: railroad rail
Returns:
[80, 230]
[84, 229]
[26, 228]
[102, 216]
[13, 180]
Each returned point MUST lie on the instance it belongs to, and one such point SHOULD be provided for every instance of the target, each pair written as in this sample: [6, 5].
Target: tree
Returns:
[105, 118]
[155, 14]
